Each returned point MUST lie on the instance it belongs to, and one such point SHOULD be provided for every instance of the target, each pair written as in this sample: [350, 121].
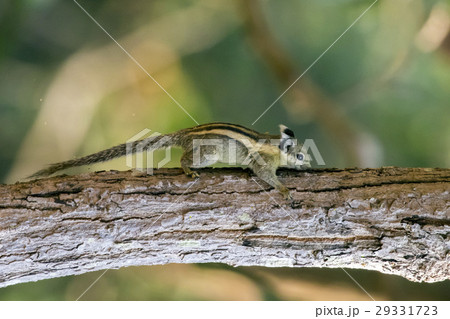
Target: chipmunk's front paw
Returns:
[286, 194]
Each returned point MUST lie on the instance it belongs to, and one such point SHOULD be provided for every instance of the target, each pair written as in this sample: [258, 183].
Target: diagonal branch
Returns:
[393, 220]
[306, 97]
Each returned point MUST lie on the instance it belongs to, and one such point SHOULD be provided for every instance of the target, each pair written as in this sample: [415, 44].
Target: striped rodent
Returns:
[208, 144]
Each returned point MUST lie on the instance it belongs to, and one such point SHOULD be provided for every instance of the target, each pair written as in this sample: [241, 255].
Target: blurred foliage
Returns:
[220, 282]
[389, 74]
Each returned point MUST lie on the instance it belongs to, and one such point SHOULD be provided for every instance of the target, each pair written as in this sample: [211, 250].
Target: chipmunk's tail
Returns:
[147, 144]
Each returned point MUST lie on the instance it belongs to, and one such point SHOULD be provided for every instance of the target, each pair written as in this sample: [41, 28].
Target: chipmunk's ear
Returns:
[286, 132]
[287, 139]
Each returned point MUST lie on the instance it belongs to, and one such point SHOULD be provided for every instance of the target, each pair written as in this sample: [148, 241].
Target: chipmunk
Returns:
[208, 144]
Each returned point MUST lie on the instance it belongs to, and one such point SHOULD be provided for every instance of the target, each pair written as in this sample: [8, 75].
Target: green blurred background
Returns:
[379, 97]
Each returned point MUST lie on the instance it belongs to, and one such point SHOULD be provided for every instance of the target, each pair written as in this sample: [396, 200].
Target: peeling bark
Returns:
[393, 220]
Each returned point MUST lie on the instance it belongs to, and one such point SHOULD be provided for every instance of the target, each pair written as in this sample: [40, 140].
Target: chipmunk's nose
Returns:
[307, 161]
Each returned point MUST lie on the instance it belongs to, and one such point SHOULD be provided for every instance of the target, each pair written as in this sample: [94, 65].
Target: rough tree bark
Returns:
[393, 220]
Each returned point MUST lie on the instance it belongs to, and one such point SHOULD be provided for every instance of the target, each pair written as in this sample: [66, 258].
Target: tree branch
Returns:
[393, 220]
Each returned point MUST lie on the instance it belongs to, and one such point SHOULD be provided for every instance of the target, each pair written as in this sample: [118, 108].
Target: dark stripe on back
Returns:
[227, 126]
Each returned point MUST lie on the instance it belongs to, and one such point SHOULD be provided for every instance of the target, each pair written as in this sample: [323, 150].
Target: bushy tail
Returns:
[148, 144]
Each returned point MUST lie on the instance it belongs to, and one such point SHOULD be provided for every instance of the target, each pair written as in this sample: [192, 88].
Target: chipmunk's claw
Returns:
[194, 174]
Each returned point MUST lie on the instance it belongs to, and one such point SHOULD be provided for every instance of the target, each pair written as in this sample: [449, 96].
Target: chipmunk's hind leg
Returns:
[194, 159]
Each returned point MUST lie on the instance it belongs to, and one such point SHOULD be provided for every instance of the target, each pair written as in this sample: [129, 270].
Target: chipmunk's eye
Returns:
[300, 156]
